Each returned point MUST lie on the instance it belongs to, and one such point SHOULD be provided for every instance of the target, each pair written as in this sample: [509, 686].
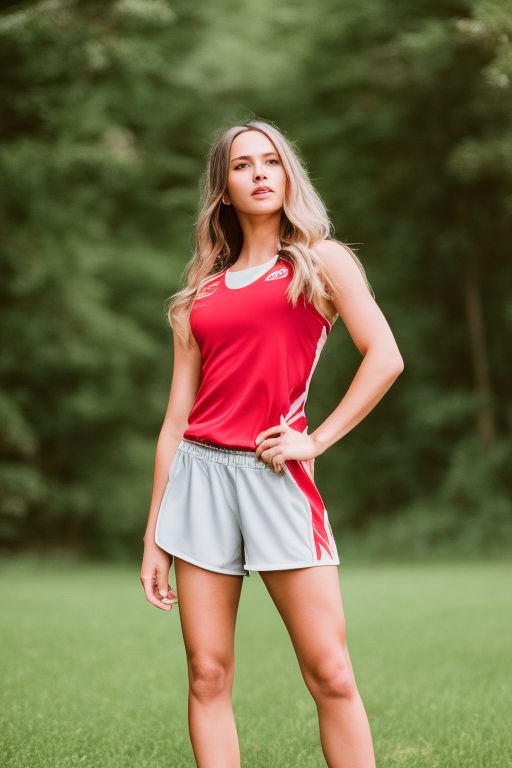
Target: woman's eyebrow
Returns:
[249, 157]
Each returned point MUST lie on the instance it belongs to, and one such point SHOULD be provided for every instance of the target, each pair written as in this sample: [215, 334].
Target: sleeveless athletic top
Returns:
[258, 354]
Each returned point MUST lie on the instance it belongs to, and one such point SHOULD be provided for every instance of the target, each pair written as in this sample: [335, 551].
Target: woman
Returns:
[233, 481]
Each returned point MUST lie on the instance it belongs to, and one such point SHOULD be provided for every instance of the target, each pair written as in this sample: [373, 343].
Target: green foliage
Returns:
[403, 114]
[414, 119]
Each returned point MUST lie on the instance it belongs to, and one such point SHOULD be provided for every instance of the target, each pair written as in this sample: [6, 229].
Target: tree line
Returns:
[402, 114]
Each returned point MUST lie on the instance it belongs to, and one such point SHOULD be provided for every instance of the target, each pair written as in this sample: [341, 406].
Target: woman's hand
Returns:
[290, 444]
[154, 576]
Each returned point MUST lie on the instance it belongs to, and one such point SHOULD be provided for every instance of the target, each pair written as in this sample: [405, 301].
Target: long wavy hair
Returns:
[219, 237]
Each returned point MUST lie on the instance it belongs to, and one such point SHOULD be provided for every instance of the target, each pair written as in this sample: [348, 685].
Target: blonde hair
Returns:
[219, 237]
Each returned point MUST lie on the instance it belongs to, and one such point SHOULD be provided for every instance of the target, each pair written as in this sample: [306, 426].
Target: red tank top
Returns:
[258, 354]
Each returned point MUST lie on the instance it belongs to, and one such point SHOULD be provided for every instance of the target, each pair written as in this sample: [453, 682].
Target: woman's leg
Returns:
[208, 604]
[309, 601]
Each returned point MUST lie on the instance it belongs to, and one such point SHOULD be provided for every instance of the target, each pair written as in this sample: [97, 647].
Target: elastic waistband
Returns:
[233, 456]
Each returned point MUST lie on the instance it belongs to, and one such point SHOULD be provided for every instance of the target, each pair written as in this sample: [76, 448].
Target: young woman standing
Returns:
[233, 482]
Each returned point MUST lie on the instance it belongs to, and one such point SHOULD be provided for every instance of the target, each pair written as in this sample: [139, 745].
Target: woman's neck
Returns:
[260, 243]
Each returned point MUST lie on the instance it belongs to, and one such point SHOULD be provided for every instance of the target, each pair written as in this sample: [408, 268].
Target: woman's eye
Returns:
[272, 160]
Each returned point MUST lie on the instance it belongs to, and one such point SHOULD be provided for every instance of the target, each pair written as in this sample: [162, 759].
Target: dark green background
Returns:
[402, 114]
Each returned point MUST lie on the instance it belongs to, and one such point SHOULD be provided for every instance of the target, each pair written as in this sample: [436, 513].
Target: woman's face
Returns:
[253, 163]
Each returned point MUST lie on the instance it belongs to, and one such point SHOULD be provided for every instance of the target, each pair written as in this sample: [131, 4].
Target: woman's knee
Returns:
[331, 677]
[209, 677]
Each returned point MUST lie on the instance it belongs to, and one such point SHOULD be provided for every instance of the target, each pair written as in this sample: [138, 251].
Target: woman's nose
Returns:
[259, 174]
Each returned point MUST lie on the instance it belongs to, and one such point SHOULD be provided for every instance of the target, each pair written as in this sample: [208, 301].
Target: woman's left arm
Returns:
[382, 362]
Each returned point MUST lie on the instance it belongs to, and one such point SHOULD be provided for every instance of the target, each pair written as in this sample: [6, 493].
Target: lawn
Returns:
[92, 675]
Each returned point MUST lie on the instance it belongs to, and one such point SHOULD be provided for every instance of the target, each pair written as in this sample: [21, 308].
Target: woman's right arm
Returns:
[184, 386]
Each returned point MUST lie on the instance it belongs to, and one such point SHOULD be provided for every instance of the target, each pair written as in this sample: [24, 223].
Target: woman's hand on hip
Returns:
[154, 577]
[288, 444]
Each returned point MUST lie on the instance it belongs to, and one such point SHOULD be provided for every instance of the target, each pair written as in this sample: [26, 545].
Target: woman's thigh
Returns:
[310, 603]
[208, 606]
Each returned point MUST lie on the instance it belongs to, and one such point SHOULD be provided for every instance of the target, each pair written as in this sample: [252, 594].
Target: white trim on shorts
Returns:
[208, 567]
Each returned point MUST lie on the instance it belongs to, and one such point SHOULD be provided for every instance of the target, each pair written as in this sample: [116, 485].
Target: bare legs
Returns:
[309, 601]
[208, 604]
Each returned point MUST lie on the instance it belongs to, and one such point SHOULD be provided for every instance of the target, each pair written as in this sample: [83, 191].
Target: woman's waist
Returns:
[218, 446]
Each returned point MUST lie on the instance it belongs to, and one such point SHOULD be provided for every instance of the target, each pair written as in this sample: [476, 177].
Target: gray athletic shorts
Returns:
[227, 511]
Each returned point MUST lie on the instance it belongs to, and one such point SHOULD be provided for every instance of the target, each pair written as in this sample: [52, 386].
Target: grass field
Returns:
[92, 675]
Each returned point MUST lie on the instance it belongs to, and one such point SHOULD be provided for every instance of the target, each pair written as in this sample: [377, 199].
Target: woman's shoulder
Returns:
[331, 251]
[341, 264]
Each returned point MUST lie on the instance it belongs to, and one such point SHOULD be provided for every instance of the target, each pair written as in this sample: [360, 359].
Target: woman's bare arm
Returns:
[382, 362]
[381, 365]
[156, 563]
[184, 386]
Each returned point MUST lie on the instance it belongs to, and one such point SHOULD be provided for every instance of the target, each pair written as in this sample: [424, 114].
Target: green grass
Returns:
[92, 675]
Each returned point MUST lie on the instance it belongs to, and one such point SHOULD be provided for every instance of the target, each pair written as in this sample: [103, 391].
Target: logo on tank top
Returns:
[277, 274]
[208, 289]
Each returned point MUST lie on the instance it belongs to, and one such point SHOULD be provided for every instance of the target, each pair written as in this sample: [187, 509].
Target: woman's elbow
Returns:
[398, 364]
[387, 360]
[390, 362]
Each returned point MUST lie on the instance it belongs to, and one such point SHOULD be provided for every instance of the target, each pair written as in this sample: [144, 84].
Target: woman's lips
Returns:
[266, 193]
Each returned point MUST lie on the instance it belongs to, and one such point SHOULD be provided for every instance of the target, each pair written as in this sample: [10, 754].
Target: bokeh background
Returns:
[402, 114]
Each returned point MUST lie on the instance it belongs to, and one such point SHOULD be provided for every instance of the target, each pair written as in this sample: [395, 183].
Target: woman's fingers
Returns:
[277, 464]
[154, 575]
[161, 583]
[266, 444]
[171, 597]
[163, 589]
[280, 428]
[148, 584]
[158, 591]
[273, 457]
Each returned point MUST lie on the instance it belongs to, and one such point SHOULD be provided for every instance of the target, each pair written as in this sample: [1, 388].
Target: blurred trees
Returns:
[403, 116]
[414, 148]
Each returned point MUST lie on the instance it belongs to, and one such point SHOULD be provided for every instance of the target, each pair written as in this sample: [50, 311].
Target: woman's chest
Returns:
[262, 307]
